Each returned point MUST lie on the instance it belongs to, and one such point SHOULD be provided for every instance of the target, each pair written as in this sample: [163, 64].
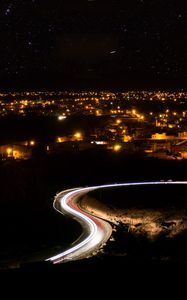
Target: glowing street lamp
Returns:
[60, 118]
[118, 121]
[117, 147]
[78, 135]
[9, 151]
[32, 143]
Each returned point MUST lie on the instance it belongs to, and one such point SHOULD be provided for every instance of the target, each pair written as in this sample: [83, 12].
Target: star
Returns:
[7, 11]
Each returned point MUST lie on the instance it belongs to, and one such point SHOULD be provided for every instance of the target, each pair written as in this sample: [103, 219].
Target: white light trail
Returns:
[98, 231]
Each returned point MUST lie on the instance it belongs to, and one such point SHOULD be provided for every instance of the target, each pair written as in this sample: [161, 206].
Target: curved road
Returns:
[95, 230]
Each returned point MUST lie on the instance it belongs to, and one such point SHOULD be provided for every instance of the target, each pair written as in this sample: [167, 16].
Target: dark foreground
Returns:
[96, 278]
[29, 224]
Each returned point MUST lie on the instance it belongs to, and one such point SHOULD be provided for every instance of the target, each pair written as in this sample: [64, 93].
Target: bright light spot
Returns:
[78, 135]
[127, 138]
[117, 147]
[32, 143]
[59, 140]
[60, 118]
[9, 151]
[100, 142]
[134, 111]
[118, 121]
[98, 113]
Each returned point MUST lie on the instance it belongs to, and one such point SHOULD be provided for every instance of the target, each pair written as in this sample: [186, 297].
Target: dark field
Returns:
[157, 196]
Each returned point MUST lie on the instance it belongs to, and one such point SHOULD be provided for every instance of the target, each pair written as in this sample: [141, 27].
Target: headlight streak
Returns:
[96, 234]
[90, 224]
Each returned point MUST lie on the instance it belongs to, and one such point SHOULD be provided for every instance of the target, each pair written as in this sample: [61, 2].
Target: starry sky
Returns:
[93, 44]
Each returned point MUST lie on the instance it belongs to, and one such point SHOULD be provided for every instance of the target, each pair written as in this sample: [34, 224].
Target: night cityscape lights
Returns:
[153, 123]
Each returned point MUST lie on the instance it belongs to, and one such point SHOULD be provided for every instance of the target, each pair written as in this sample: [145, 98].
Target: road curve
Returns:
[95, 230]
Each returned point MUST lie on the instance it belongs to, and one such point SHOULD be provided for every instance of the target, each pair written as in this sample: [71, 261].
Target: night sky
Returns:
[93, 44]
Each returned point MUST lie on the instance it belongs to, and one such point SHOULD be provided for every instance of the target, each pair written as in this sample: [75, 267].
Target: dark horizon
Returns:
[18, 86]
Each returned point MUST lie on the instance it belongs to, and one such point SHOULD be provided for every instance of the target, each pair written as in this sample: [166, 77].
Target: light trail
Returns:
[97, 231]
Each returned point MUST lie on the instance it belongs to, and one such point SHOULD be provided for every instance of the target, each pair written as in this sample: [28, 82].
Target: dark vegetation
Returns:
[132, 247]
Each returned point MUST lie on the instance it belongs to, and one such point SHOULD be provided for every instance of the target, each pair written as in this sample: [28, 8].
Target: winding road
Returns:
[95, 230]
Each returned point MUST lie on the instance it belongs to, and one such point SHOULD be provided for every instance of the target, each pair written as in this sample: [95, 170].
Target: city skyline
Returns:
[95, 45]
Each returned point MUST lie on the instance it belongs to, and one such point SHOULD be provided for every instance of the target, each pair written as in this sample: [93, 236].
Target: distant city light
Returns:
[117, 147]
[100, 142]
[60, 118]
[9, 151]
[32, 143]
[59, 140]
[121, 119]
[78, 135]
